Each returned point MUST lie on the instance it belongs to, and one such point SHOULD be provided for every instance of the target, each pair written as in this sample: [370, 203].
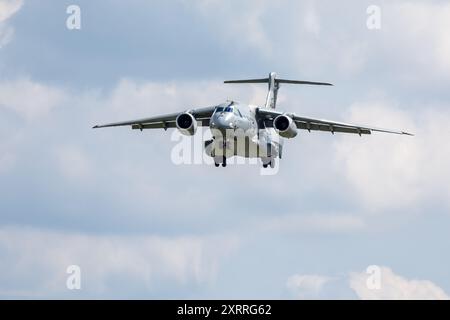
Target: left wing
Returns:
[202, 115]
[323, 125]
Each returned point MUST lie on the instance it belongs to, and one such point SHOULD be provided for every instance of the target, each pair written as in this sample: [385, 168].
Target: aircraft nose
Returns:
[222, 123]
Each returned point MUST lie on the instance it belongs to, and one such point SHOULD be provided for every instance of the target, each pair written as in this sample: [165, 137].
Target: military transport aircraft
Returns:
[260, 129]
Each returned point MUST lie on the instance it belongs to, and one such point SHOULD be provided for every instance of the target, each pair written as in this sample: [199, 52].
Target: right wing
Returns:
[323, 125]
[202, 115]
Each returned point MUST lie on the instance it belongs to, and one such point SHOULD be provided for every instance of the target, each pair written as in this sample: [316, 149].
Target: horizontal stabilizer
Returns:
[303, 82]
[274, 85]
[266, 80]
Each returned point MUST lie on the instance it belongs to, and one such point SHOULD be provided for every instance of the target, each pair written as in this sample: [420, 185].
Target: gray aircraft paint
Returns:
[248, 130]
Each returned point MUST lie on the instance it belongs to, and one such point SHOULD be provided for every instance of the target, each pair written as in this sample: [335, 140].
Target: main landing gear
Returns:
[224, 158]
[271, 163]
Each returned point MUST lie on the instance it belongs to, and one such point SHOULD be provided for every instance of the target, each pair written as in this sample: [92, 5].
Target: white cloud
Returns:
[395, 287]
[73, 163]
[29, 99]
[392, 172]
[241, 28]
[421, 28]
[10, 138]
[412, 33]
[6, 34]
[384, 171]
[7, 160]
[311, 21]
[7, 9]
[352, 57]
[392, 287]
[33, 262]
[131, 97]
[307, 286]
[314, 223]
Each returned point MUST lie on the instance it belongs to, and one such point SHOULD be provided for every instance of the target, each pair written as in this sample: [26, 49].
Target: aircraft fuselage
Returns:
[236, 132]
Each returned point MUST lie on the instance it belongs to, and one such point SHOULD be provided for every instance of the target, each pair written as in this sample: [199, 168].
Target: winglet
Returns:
[95, 127]
[407, 133]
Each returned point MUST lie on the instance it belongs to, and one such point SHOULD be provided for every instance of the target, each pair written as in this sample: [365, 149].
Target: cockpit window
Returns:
[228, 108]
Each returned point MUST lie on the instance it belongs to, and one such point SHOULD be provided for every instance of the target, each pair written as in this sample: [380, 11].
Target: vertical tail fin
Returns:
[274, 85]
[272, 93]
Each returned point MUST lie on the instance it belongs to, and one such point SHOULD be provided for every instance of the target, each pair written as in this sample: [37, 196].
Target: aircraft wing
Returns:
[323, 125]
[202, 115]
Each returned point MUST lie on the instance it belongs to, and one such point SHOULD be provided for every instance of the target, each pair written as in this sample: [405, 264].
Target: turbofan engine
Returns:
[285, 126]
[186, 123]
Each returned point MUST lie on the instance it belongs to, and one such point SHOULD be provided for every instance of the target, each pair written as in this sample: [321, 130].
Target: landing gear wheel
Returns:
[272, 163]
[224, 162]
[216, 164]
[265, 165]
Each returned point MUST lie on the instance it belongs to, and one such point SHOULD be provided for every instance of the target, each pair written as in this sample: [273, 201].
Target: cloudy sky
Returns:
[139, 226]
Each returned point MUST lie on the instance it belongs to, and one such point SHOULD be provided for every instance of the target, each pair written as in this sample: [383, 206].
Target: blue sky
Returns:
[113, 202]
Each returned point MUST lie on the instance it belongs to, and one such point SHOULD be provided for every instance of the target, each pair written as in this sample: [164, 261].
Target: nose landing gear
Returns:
[270, 163]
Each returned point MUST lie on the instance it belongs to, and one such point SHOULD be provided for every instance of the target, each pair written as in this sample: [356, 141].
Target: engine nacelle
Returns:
[285, 126]
[186, 123]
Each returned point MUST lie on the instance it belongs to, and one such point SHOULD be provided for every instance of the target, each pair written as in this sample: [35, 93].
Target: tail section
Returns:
[271, 100]
[274, 85]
